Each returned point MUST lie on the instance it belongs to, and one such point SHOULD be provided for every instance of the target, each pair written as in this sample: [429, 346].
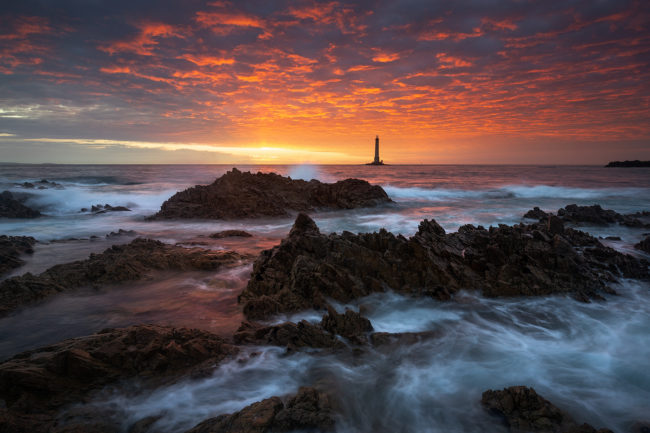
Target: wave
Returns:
[511, 191]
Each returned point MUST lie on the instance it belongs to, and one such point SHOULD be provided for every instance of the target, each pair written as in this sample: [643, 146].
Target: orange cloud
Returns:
[144, 43]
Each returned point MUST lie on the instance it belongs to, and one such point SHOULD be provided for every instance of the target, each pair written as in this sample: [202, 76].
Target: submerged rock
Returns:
[11, 248]
[230, 234]
[35, 384]
[12, 208]
[523, 410]
[104, 208]
[247, 195]
[308, 267]
[118, 263]
[308, 410]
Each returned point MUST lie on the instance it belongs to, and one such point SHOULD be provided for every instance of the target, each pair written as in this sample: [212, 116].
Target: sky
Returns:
[468, 81]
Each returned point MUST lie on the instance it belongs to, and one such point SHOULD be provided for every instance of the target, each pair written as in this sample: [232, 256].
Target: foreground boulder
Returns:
[118, 263]
[522, 410]
[247, 195]
[11, 248]
[308, 410]
[12, 208]
[594, 215]
[35, 384]
[538, 259]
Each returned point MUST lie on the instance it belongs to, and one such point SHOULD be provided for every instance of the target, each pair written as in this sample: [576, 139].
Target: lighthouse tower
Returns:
[376, 161]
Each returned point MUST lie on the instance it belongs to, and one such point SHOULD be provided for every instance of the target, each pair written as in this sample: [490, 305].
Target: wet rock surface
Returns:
[230, 234]
[294, 336]
[118, 263]
[521, 409]
[644, 245]
[247, 195]
[10, 207]
[98, 209]
[523, 260]
[11, 248]
[308, 410]
[36, 384]
[593, 215]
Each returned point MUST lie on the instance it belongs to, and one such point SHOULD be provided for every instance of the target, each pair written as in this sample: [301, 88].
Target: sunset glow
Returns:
[468, 82]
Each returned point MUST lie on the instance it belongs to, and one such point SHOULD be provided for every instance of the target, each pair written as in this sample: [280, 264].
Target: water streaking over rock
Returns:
[383, 356]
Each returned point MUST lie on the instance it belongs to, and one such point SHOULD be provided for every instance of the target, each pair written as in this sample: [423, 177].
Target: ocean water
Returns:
[590, 359]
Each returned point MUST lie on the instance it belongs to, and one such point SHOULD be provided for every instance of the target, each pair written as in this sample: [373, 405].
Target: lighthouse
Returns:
[376, 161]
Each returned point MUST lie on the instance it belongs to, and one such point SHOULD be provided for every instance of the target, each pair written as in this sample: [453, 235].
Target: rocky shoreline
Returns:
[40, 390]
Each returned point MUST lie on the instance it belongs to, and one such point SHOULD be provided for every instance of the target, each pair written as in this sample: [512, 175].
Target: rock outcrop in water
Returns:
[523, 260]
[118, 263]
[308, 410]
[523, 410]
[634, 163]
[294, 336]
[231, 234]
[11, 248]
[595, 215]
[34, 385]
[247, 195]
[12, 208]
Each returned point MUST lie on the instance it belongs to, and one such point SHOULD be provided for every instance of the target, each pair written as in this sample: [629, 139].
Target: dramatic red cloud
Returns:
[434, 82]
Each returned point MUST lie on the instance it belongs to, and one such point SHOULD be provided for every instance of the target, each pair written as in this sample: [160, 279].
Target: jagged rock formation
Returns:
[308, 410]
[34, 385]
[11, 248]
[595, 215]
[247, 195]
[522, 410]
[118, 263]
[537, 259]
[12, 208]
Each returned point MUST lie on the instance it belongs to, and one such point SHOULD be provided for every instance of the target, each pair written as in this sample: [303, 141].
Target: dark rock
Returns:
[523, 410]
[350, 325]
[35, 384]
[121, 232]
[536, 214]
[101, 209]
[12, 208]
[644, 245]
[640, 427]
[594, 215]
[28, 185]
[613, 238]
[555, 225]
[230, 233]
[626, 164]
[118, 263]
[308, 410]
[308, 267]
[11, 248]
[291, 335]
[247, 195]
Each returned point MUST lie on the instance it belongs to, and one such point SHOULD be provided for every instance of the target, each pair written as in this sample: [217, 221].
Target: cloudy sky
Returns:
[468, 81]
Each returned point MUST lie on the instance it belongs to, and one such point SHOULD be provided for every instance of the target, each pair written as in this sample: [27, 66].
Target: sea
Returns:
[590, 359]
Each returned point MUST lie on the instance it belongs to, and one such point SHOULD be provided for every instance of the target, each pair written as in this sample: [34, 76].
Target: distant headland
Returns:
[376, 161]
[635, 163]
